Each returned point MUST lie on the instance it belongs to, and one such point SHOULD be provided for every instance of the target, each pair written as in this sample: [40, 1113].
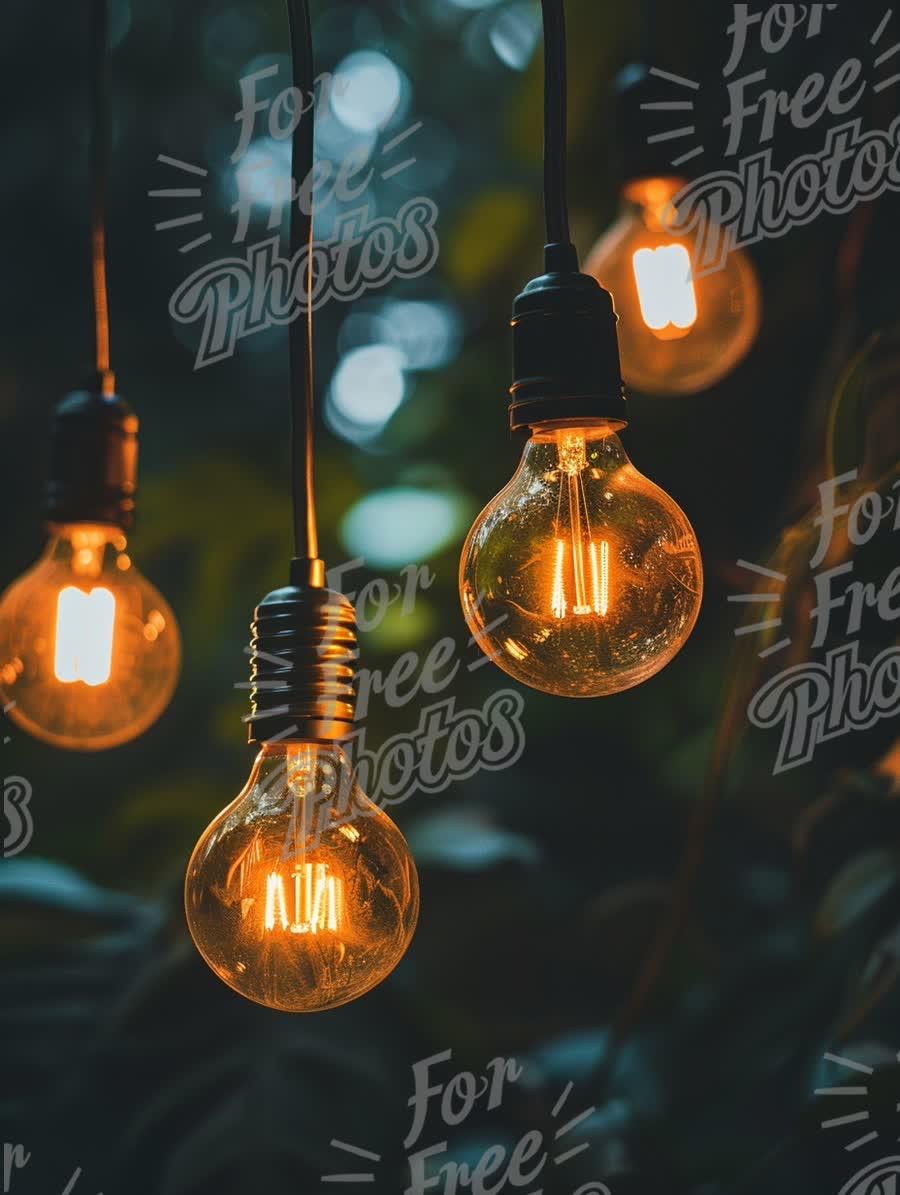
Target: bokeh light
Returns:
[472, 4]
[264, 172]
[367, 388]
[427, 332]
[403, 525]
[368, 91]
[514, 34]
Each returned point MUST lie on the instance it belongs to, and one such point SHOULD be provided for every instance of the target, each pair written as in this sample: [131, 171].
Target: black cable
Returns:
[101, 139]
[556, 204]
[300, 331]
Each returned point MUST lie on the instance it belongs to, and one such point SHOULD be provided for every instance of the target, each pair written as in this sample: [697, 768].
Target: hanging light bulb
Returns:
[302, 895]
[295, 917]
[678, 333]
[581, 578]
[89, 650]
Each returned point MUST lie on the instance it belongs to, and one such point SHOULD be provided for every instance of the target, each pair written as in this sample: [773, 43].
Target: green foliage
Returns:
[690, 992]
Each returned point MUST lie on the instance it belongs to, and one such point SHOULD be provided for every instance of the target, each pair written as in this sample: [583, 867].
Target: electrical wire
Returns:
[300, 331]
[556, 204]
[101, 138]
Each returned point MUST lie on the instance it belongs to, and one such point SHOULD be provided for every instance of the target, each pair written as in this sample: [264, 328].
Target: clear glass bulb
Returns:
[302, 895]
[677, 334]
[89, 650]
[581, 578]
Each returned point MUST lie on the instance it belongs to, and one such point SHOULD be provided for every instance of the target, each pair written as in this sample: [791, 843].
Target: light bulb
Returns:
[302, 895]
[581, 578]
[677, 333]
[89, 650]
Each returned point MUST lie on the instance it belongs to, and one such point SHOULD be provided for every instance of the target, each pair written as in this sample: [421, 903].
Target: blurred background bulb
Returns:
[581, 578]
[677, 334]
[89, 650]
[302, 895]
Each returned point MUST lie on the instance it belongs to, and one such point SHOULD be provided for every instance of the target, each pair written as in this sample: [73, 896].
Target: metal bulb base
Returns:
[304, 648]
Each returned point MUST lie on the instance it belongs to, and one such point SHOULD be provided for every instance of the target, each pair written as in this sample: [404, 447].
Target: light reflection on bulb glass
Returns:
[581, 578]
[302, 895]
[89, 650]
[677, 333]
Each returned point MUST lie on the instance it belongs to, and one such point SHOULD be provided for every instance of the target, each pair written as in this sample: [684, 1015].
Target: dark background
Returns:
[638, 906]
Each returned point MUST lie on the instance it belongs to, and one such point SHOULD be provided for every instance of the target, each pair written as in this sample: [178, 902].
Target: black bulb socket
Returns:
[93, 460]
[565, 348]
[637, 121]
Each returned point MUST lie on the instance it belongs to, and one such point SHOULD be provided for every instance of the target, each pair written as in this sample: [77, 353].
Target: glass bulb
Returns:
[302, 895]
[677, 334]
[581, 578]
[89, 650]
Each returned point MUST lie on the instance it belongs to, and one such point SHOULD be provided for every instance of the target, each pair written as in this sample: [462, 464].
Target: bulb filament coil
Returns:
[318, 901]
[589, 569]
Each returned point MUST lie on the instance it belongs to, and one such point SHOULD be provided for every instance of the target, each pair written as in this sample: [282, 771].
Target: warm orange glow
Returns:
[581, 578]
[318, 901]
[573, 528]
[600, 577]
[275, 910]
[665, 287]
[289, 902]
[514, 649]
[679, 331]
[88, 544]
[84, 635]
[89, 650]
[558, 604]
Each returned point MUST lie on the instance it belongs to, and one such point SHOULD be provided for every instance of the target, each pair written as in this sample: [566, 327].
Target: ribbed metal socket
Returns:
[304, 648]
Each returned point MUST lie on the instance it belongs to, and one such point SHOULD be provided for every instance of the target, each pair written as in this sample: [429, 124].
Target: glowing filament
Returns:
[318, 901]
[572, 452]
[558, 604]
[275, 902]
[599, 576]
[665, 287]
[84, 635]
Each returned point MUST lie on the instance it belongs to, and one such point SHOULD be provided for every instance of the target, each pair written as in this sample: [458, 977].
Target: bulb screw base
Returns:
[303, 649]
[565, 348]
[93, 459]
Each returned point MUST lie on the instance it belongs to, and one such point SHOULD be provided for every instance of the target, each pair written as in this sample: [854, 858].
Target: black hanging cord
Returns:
[300, 331]
[560, 253]
[101, 138]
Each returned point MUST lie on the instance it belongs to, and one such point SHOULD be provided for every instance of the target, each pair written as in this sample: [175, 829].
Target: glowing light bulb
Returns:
[302, 895]
[666, 290]
[581, 578]
[677, 333]
[89, 650]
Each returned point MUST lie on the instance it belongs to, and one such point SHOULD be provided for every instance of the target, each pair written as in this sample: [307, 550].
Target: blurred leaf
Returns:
[863, 429]
[485, 234]
[845, 438]
[862, 883]
[162, 820]
[43, 902]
